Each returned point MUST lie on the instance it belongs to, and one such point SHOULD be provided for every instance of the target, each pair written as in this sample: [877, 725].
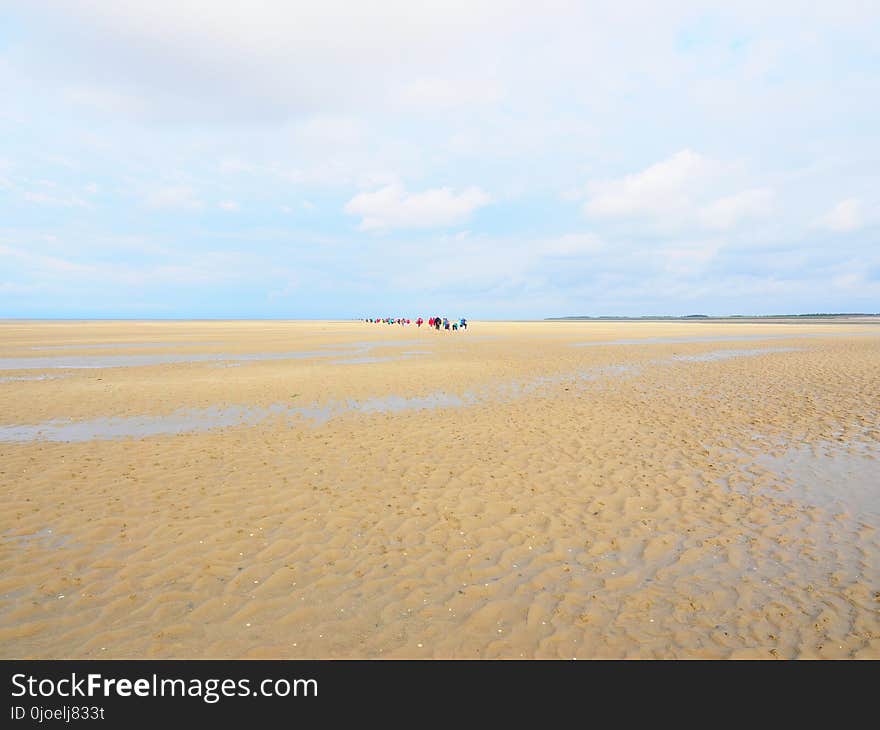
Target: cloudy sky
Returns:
[213, 158]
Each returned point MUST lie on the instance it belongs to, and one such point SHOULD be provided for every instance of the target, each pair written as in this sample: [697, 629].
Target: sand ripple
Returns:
[652, 514]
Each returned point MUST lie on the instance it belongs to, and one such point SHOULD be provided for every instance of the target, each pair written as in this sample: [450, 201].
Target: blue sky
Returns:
[481, 159]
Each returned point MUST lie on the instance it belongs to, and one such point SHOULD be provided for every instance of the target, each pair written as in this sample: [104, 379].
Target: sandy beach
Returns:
[305, 489]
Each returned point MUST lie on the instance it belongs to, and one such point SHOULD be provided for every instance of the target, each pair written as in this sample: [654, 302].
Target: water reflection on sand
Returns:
[840, 477]
[214, 417]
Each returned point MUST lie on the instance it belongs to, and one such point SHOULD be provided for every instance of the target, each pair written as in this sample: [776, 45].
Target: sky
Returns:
[486, 159]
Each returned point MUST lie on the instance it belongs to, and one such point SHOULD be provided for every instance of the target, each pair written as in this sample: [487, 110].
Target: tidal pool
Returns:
[214, 417]
[722, 338]
[123, 345]
[79, 362]
[840, 477]
[727, 354]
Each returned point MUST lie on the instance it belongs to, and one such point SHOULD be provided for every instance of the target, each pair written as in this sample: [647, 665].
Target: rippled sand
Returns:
[344, 489]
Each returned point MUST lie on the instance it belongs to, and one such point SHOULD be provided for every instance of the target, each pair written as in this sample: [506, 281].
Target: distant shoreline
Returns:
[846, 317]
[843, 317]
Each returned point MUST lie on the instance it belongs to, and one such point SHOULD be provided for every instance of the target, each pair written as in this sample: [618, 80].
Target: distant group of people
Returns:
[437, 323]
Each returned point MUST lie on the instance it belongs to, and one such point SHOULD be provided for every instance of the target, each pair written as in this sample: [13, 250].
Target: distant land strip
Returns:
[815, 315]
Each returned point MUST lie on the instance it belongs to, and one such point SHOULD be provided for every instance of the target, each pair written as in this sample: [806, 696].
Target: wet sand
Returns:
[344, 489]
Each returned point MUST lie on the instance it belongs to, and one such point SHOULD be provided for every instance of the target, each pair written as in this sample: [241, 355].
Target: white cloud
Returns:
[305, 205]
[235, 165]
[665, 188]
[229, 205]
[108, 101]
[377, 178]
[726, 212]
[427, 94]
[279, 58]
[688, 259]
[66, 201]
[174, 197]
[687, 189]
[573, 244]
[5, 167]
[848, 281]
[46, 264]
[844, 217]
[181, 267]
[393, 207]
[329, 130]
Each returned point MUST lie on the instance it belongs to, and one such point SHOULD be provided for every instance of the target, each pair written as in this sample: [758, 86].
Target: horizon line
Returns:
[490, 319]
